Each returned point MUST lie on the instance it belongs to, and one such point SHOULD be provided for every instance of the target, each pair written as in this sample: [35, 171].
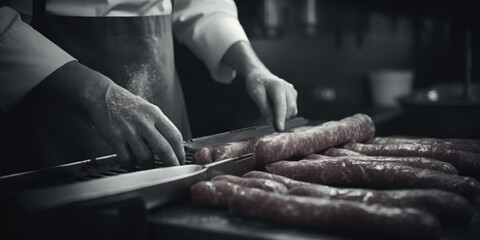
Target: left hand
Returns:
[276, 98]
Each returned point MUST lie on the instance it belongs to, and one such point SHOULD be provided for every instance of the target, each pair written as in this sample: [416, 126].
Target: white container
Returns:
[387, 85]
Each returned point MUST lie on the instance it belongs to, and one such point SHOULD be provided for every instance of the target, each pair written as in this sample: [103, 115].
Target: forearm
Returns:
[76, 83]
[241, 57]
[26, 58]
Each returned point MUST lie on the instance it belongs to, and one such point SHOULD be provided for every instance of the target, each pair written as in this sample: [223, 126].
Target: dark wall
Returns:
[328, 65]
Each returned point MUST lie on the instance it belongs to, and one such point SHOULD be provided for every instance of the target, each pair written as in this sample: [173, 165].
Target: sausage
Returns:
[218, 191]
[470, 145]
[223, 151]
[299, 129]
[316, 156]
[372, 174]
[449, 208]
[336, 152]
[288, 182]
[264, 184]
[277, 147]
[337, 215]
[418, 162]
[467, 163]
[213, 194]
[203, 156]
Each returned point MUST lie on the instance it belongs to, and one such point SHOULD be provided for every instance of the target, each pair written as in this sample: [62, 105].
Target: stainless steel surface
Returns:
[56, 173]
[156, 186]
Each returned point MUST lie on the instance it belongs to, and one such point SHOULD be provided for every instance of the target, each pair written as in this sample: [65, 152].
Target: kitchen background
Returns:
[326, 48]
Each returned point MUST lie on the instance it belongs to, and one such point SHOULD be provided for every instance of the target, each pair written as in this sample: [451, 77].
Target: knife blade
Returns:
[239, 165]
[232, 166]
[240, 134]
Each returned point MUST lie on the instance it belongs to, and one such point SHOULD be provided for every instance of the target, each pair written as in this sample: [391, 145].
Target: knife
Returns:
[240, 165]
[240, 134]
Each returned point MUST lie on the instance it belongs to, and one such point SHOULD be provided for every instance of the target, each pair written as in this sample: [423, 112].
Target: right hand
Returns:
[133, 126]
[275, 97]
[129, 122]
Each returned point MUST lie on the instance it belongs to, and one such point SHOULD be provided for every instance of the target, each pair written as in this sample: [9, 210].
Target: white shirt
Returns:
[208, 27]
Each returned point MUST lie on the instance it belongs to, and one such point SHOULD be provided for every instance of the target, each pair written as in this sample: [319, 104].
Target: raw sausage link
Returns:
[337, 152]
[418, 162]
[467, 163]
[470, 145]
[282, 146]
[299, 129]
[213, 194]
[316, 156]
[449, 208]
[264, 184]
[288, 182]
[339, 215]
[372, 174]
[224, 151]
[202, 156]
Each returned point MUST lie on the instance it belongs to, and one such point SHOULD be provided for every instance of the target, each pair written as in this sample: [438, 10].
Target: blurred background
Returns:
[328, 48]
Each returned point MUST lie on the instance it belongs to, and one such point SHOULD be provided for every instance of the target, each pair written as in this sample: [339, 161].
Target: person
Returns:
[95, 78]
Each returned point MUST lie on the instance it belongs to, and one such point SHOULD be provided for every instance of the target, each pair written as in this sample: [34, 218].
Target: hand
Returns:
[129, 122]
[276, 98]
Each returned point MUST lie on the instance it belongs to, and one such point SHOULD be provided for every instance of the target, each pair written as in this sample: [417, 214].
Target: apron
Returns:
[135, 52]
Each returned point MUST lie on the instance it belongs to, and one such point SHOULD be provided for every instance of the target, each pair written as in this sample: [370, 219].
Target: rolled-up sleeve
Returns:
[209, 28]
[26, 58]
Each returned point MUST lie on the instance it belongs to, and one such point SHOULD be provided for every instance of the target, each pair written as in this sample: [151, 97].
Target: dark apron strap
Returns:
[39, 10]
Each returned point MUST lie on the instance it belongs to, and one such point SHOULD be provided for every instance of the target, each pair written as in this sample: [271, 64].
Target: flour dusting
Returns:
[142, 79]
[122, 104]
